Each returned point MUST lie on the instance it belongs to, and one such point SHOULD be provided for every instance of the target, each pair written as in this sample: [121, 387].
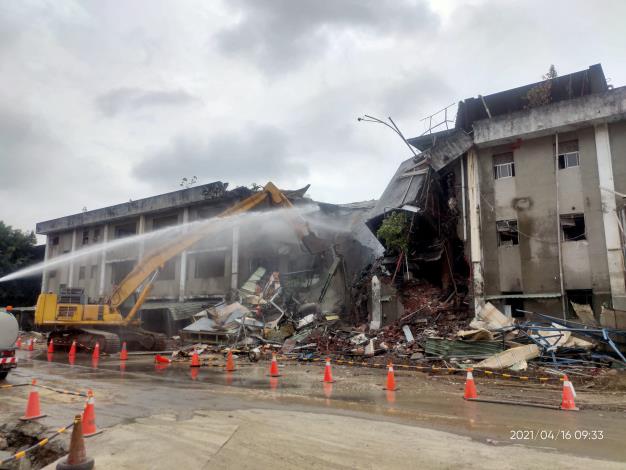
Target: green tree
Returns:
[393, 232]
[17, 250]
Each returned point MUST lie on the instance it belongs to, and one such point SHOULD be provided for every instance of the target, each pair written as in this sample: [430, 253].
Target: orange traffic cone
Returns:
[470, 386]
[77, 456]
[124, 353]
[328, 375]
[33, 411]
[96, 352]
[161, 360]
[73, 349]
[230, 363]
[31, 345]
[194, 373]
[51, 346]
[391, 380]
[567, 402]
[274, 367]
[18, 343]
[195, 360]
[89, 416]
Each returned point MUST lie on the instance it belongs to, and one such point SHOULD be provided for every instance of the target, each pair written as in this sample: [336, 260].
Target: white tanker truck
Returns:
[8, 335]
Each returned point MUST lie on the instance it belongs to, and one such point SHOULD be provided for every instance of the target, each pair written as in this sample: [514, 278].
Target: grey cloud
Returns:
[258, 153]
[282, 34]
[121, 100]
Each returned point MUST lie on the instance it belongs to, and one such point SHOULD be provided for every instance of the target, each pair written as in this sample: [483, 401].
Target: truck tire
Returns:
[3, 374]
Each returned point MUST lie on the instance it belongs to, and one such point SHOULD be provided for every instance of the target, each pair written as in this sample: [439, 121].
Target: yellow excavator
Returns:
[107, 324]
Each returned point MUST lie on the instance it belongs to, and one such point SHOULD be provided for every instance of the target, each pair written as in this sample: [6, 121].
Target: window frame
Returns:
[573, 216]
[515, 231]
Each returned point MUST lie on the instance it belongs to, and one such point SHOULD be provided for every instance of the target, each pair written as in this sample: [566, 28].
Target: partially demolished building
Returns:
[214, 269]
[537, 178]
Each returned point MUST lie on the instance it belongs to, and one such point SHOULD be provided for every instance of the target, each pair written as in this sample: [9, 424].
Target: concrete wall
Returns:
[530, 198]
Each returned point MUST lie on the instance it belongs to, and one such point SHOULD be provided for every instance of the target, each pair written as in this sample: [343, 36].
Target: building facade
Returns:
[542, 191]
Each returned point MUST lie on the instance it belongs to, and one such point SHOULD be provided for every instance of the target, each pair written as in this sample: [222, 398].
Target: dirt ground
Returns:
[167, 416]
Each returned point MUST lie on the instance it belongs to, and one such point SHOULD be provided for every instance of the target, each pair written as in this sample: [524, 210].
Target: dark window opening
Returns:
[96, 235]
[568, 154]
[85, 237]
[210, 265]
[55, 240]
[578, 296]
[513, 306]
[507, 232]
[125, 230]
[165, 221]
[52, 274]
[81, 273]
[168, 272]
[573, 227]
[119, 271]
[503, 166]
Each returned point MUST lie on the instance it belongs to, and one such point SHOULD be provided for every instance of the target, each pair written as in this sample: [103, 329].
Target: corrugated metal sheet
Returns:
[402, 189]
[456, 348]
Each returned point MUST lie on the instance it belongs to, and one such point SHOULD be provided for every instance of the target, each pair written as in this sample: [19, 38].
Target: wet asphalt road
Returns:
[139, 388]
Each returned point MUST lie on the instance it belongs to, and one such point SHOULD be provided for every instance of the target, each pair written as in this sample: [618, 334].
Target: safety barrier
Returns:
[488, 373]
[22, 453]
[56, 390]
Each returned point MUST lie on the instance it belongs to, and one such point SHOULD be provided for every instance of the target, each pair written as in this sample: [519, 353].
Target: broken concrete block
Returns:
[509, 357]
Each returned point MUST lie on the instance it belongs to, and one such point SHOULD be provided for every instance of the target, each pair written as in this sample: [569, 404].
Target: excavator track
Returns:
[86, 339]
[140, 339]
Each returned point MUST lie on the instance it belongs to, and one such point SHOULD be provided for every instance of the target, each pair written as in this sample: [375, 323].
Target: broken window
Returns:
[210, 265]
[94, 271]
[507, 232]
[573, 227]
[55, 240]
[125, 230]
[503, 165]
[568, 154]
[119, 270]
[81, 273]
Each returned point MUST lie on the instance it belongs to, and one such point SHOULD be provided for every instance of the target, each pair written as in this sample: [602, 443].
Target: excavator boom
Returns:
[153, 261]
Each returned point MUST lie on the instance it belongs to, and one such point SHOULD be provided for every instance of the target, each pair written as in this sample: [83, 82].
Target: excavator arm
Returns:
[144, 273]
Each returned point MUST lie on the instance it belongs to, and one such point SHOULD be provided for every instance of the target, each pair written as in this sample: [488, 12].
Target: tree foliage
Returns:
[541, 94]
[393, 231]
[17, 250]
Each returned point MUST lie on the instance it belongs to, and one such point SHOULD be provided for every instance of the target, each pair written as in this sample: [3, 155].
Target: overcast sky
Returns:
[104, 101]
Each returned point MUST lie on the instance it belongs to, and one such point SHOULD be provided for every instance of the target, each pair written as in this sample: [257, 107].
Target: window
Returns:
[125, 230]
[94, 271]
[81, 273]
[55, 240]
[96, 235]
[52, 274]
[573, 227]
[210, 265]
[119, 270]
[85, 237]
[507, 232]
[568, 154]
[163, 222]
[168, 273]
[503, 166]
